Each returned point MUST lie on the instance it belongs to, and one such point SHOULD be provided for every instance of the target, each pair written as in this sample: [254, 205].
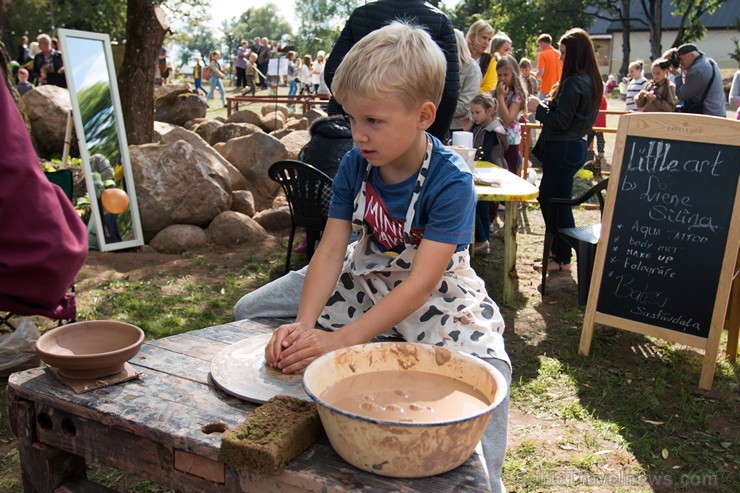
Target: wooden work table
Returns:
[166, 426]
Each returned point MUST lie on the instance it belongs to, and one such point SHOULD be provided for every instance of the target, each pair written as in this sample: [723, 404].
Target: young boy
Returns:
[411, 202]
[250, 73]
[23, 85]
[533, 85]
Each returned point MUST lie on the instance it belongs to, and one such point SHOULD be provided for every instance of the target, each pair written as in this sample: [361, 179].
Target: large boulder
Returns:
[314, 114]
[178, 183]
[195, 121]
[48, 108]
[179, 238]
[253, 155]
[243, 201]
[229, 131]
[274, 220]
[294, 142]
[297, 124]
[273, 121]
[269, 108]
[164, 90]
[207, 128]
[245, 116]
[169, 133]
[232, 228]
[179, 107]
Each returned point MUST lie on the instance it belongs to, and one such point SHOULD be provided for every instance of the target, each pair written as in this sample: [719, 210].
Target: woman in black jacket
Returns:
[567, 116]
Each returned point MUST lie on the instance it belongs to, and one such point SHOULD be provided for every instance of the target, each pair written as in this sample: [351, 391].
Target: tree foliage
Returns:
[321, 21]
[690, 11]
[524, 20]
[256, 22]
[192, 40]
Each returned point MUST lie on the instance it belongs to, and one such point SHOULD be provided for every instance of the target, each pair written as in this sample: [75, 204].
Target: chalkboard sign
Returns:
[670, 233]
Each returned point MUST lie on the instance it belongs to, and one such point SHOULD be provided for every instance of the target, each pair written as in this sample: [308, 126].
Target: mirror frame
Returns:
[103, 246]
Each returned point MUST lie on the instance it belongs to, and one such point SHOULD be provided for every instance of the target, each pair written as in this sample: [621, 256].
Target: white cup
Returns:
[462, 139]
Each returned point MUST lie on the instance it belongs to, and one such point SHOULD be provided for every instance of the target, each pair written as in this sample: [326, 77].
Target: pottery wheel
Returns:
[240, 370]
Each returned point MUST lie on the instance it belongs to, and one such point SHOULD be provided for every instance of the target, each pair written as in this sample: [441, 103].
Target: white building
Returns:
[717, 42]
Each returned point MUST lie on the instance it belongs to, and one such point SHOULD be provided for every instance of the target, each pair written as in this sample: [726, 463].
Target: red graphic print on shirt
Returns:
[387, 230]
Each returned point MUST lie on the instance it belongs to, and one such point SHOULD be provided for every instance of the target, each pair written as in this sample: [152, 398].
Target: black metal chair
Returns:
[309, 193]
[583, 239]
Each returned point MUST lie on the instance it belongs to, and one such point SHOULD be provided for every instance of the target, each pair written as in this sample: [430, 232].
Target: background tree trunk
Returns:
[654, 16]
[7, 38]
[144, 37]
[626, 32]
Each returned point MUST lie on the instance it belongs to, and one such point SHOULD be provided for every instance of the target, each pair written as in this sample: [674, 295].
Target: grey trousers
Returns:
[281, 299]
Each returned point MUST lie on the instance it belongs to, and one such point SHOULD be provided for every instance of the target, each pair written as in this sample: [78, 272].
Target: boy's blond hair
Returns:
[399, 61]
[525, 63]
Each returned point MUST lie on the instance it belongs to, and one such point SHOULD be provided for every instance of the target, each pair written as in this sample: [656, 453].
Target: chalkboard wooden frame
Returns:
[674, 128]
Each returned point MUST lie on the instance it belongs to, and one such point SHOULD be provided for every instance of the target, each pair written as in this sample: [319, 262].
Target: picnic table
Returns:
[305, 102]
[166, 426]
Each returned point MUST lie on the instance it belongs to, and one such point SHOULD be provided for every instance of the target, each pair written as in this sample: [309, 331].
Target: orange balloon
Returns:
[114, 200]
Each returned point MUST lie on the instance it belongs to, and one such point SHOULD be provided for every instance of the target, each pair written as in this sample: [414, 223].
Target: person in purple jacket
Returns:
[43, 242]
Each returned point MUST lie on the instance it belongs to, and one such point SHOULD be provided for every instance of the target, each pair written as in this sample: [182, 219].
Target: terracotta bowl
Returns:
[91, 349]
[401, 449]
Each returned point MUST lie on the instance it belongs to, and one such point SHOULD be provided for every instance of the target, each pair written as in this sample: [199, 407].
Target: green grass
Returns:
[624, 419]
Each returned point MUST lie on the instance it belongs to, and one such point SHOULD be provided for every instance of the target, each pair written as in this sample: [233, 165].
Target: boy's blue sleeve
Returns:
[448, 205]
[451, 212]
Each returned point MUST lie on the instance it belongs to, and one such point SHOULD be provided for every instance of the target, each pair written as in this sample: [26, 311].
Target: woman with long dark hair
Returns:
[567, 116]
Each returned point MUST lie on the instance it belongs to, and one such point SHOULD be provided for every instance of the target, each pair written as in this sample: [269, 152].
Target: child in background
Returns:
[660, 93]
[635, 84]
[198, 76]
[490, 140]
[250, 74]
[511, 97]
[317, 71]
[216, 76]
[304, 74]
[292, 74]
[611, 83]
[412, 203]
[595, 161]
[532, 84]
[23, 85]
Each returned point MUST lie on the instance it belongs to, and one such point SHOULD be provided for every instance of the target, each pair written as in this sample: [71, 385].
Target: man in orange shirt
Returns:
[549, 65]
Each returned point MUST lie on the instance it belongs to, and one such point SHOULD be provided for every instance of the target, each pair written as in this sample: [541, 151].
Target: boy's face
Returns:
[387, 133]
[525, 71]
[22, 77]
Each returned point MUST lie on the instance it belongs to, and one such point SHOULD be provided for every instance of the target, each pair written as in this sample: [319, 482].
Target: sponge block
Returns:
[272, 435]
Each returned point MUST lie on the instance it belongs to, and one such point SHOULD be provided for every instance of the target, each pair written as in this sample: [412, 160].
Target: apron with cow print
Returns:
[459, 314]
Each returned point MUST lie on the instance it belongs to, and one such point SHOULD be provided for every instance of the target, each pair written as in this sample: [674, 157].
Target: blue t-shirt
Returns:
[444, 212]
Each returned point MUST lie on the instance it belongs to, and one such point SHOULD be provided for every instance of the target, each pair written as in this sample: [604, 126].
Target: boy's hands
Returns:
[293, 346]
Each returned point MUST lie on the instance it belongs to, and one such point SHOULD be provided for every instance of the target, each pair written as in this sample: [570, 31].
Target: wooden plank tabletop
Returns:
[153, 425]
